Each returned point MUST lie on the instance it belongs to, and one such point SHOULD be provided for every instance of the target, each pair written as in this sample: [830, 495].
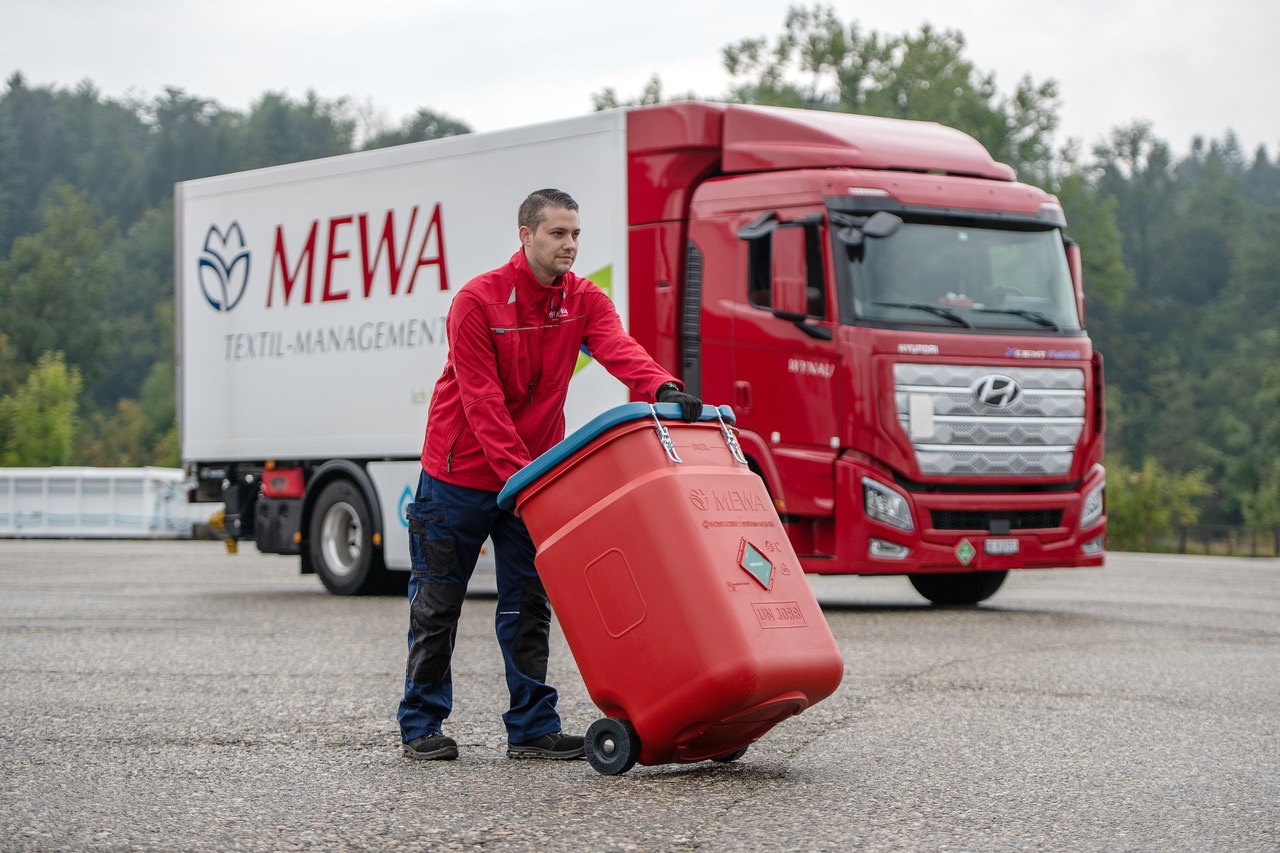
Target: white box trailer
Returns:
[311, 302]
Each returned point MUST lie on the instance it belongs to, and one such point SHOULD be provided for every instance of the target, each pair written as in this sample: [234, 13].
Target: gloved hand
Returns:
[690, 406]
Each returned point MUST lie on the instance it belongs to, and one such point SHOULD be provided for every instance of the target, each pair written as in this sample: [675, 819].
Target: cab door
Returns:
[767, 340]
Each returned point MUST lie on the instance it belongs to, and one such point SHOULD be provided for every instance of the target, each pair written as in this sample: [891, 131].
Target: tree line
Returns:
[1181, 254]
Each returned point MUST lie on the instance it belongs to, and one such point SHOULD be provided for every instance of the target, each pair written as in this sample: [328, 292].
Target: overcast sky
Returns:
[1188, 69]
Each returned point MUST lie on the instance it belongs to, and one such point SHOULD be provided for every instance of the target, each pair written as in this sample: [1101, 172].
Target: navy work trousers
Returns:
[448, 525]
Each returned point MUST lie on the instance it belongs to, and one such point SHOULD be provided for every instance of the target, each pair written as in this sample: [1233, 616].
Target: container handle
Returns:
[731, 439]
[665, 437]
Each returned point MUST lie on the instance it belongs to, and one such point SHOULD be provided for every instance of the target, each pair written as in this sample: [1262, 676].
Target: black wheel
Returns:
[612, 746]
[341, 541]
[732, 756]
[959, 588]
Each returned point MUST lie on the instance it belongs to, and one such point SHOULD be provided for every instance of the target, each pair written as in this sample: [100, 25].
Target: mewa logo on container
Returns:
[319, 268]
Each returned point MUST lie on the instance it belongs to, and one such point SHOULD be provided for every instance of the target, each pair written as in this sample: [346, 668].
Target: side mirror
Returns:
[789, 273]
[1076, 265]
[882, 223]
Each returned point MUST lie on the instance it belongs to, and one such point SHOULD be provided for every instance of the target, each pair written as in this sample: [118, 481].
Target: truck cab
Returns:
[898, 325]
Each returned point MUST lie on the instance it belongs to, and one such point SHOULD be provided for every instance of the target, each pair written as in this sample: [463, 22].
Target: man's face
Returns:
[551, 248]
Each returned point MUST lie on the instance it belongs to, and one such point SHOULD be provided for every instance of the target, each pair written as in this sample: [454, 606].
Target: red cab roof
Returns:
[671, 147]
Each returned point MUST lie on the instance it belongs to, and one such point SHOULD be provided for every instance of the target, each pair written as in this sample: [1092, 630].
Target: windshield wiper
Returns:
[932, 309]
[1033, 316]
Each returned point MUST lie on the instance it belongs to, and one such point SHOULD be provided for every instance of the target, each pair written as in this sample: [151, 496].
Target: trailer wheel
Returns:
[341, 540]
[732, 756]
[612, 746]
[959, 588]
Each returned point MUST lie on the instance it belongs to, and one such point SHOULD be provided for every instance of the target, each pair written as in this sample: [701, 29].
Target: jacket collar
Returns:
[528, 285]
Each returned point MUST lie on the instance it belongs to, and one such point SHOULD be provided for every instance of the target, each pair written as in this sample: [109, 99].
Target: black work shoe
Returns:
[435, 747]
[555, 745]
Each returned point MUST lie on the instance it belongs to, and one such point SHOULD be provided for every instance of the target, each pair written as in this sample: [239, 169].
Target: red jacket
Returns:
[513, 344]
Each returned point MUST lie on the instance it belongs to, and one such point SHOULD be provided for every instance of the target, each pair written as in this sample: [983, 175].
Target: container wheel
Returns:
[612, 746]
[341, 540]
[732, 756]
[959, 588]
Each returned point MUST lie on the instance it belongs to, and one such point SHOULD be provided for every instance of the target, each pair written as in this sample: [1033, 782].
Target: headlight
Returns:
[1093, 505]
[884, 504]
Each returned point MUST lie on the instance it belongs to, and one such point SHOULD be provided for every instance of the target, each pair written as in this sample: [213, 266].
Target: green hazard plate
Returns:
[755, 563]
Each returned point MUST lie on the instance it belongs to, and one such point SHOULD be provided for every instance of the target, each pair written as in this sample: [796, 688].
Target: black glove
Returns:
[690, 406]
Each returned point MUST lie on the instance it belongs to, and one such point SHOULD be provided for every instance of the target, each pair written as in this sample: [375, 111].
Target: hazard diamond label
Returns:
[965, 552]
[756, 564]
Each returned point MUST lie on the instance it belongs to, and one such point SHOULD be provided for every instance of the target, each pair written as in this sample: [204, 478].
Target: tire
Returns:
[612, 746]
[341, 541]
[960, 589]
[731, 756]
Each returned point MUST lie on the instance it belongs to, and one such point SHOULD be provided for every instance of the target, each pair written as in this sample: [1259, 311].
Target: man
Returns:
[514, 337]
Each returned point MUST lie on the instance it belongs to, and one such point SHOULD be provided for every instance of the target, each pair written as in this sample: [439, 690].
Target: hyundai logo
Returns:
[997, 391]
[223, 268]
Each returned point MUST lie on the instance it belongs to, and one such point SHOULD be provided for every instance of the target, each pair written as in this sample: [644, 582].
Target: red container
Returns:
[678, 591]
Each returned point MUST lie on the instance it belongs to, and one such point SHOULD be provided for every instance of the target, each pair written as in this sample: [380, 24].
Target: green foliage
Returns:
[1189, 349]
[423, 125]
[37, 422]
[1145, 505]
[189, 138]
[607, 99]
[55, 286]
[49, 140]
[1261, 507]
[141, 335]
[1093, 224]
[281, 131]
[1257, 469]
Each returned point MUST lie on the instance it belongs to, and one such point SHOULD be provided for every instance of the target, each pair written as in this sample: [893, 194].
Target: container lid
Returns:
[580, 438]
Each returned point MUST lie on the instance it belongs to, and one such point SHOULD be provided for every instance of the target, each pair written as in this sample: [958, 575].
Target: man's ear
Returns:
[526, 234]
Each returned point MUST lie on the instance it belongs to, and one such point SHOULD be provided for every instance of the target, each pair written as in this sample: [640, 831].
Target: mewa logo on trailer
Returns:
[223, 265]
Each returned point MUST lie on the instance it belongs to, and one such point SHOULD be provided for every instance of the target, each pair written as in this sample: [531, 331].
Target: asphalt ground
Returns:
[167, 696]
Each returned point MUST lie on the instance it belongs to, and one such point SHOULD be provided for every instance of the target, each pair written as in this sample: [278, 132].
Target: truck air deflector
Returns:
[759, 139]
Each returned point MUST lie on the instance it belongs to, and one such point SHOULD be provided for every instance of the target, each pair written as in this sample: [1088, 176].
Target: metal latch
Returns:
[730, 439]
[665, 437]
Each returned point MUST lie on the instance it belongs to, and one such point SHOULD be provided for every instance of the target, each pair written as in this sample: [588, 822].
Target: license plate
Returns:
[1000, 547]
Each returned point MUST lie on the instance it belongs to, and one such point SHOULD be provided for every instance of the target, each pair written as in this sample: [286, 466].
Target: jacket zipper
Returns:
[453, 443]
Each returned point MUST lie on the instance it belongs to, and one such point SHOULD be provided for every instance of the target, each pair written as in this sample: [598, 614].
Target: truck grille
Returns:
[977, 421]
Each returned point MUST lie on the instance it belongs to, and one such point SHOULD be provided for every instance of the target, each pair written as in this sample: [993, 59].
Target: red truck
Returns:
[896, 322]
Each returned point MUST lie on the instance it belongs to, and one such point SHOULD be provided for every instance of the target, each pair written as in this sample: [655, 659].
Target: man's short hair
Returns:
[534, 208]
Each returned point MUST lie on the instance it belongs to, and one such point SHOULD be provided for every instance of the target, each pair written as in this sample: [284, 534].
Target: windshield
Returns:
[963, 276]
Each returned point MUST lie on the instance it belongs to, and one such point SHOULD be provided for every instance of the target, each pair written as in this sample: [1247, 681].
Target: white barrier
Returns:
[110, 503]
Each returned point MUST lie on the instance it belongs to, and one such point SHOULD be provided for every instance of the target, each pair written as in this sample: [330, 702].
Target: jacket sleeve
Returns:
[608, 343]
[475, 363]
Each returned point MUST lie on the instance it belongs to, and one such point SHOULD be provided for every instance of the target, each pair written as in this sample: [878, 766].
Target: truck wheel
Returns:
[958, 589]
[612, 746]
[341, 540]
